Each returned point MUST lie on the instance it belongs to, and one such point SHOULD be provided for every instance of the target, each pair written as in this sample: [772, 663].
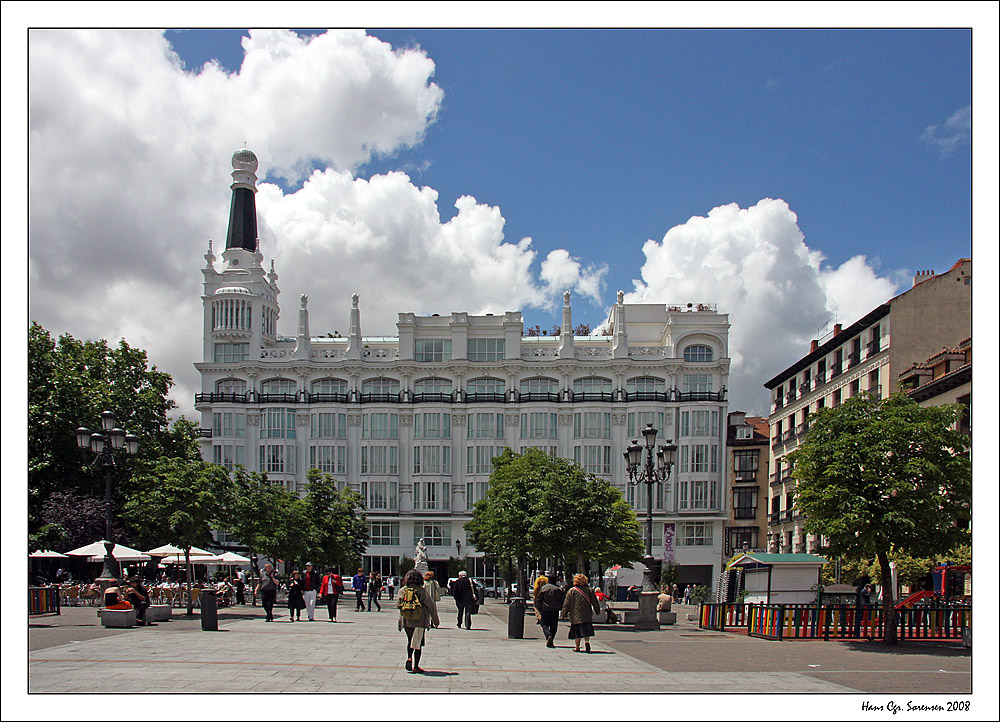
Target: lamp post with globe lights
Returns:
[649, 474]
[108, 448]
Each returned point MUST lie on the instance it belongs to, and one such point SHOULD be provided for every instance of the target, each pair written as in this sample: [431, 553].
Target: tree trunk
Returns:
[581, 566]
[888, 599]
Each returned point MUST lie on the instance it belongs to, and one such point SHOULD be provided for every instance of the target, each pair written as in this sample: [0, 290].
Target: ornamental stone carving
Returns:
[457, 420]
[565, 419]
[651, 352]
[406, 419]
[252, 419]
[529, 353]
[354, 419]
[618, 419]
[593, 352]
[513, 419]
[380, 354]
[328, 353]
[275, 353]
[302, 420]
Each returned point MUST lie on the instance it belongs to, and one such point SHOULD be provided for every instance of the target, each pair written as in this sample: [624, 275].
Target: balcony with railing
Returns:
[325, 398]
[485, 398]
[786, 515]
[819, 379]
[802, 429]
[432, 398]
[536, 396]
[745, 476]
[853, 359]
[774, 518]
[787, 435]
[874, 347]
[835, 371]
[775, 479]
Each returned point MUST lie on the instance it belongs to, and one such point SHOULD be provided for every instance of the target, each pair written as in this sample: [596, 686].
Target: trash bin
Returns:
[209, 610]
[515, 619]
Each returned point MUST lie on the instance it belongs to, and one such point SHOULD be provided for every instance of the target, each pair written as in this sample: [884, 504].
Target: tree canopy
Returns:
[544, 506]
[70, 382]
[339, 535]
[877, 476]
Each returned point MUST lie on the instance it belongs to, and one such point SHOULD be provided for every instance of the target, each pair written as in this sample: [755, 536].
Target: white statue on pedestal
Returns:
[420, 557]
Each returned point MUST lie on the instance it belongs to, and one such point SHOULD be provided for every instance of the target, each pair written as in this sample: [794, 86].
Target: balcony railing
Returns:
[774, 518]
[786, 515]
[491, 398]
[835, 371]
[745, 476]
[853, 358]
[536, 396]
[802, 429]
[701, 395]
[776, 479]
[819, 379]
[647, 396]
[592, 396]
[788, 435]
[325, 398]
[222, 398]
[380, 398]
[432, 398]
[874, 347]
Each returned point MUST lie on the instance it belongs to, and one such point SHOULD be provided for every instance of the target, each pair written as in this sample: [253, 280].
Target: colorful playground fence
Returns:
[43, 600]
[842, 621]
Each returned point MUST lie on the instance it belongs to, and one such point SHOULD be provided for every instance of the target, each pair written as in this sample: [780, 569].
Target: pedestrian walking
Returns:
[331, 588]
[465, 599]
[417, 614]
[548, 600]
[390, 586]
[432, 586]
[241, 585]
[310, 588]
[687, 594]
[296, 602]
[579, 606]
[267, 588]
[374, 584]
[359, 582]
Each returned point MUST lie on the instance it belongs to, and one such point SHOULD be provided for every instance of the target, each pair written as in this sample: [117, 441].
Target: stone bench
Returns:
[667, 617]
[117, 617]
[158, 613]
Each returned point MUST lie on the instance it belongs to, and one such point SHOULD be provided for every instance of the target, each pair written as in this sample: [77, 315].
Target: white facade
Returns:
[412, 421]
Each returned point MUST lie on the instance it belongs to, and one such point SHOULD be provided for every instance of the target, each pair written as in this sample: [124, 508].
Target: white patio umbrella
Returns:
[47, 554]
[165, 550]
[198, 556]
[122, 553]
[232, 558]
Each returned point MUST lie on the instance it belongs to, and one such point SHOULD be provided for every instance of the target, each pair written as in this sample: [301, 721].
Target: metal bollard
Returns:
[515, 619]
[209, 610]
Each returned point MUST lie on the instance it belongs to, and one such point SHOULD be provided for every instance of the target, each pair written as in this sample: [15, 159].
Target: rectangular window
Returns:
[379, 460]
[383, 533]
[432, 349]
[592, 425]
[694, 534]
[639, 420]
[434, 534]
[432, 495]
[539, 426]
[594, 459]
[277, 423]
[697, 383]
[380, 426]
[475, 491]
[229, 425]
[744, 503]
[699, 423]
[227, 353]
[553, 450]
[380, 495]
[699, 458]
[277, 458]
[431, 459]
[485, 426]
[746, 462]
[328, 426]
[329, 459]
[228, 455]
[479, 459]
[432, 426]
[487, 349]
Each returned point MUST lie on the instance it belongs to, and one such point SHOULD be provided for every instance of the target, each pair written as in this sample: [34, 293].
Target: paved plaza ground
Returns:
[364, 653]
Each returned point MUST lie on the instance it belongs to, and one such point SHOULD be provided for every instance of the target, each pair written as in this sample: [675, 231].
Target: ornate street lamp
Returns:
[650, 475]
[108, 449]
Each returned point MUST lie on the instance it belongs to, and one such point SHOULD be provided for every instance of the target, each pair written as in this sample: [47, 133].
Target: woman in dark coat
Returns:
[296, 602]
[416, 628]
[580, 606]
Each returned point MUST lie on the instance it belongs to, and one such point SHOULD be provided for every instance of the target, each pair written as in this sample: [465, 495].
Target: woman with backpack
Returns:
[417, 613]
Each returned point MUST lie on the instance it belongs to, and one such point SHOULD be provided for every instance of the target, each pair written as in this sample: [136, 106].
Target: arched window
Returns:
[539, 386]
[698, 352]
[645, 385]
[432, 386]
[231, 386]
[329, 386]
[592, 385]
[486, 385]
[381, 387]
[278, 386]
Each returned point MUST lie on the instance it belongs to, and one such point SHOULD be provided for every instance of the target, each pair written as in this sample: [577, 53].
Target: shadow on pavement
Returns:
[904, 648]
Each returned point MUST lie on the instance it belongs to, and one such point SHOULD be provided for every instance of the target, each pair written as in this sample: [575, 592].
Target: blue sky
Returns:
[795, 178]
[588, 137]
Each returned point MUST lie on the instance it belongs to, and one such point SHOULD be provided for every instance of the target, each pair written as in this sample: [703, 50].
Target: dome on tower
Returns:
[244, 159]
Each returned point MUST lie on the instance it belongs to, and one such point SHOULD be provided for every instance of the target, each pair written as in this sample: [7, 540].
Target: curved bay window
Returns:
[380, 495]
[277, 423]
[432, 426]
[283, 390]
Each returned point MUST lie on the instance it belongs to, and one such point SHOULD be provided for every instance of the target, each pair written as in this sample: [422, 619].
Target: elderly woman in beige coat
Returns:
[580, 606]
[415, 627]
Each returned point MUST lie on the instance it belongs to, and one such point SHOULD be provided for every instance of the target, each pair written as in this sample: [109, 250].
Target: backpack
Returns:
[409, 605]
[551, 600]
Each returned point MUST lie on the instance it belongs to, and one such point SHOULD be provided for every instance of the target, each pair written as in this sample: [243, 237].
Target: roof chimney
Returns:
[922, 276]
[837, 328]
[813, 345]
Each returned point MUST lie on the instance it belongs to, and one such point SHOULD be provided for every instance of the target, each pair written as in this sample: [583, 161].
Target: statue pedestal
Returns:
[421, 566]
[646, 619]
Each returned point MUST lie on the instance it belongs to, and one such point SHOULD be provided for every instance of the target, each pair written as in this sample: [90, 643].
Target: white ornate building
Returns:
[413, 421]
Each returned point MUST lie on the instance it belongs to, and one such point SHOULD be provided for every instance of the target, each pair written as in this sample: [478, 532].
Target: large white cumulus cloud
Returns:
[755, 265]
[129, 178]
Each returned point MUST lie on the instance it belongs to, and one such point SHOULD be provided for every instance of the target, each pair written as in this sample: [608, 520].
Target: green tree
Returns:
[501, 522]
[339, 530]
[581, 516]
[269, 519]
[70, 382]
[177, 501]
[882, 475]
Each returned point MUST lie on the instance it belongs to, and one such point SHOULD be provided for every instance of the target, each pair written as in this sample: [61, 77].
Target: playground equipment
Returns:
[950, 586]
